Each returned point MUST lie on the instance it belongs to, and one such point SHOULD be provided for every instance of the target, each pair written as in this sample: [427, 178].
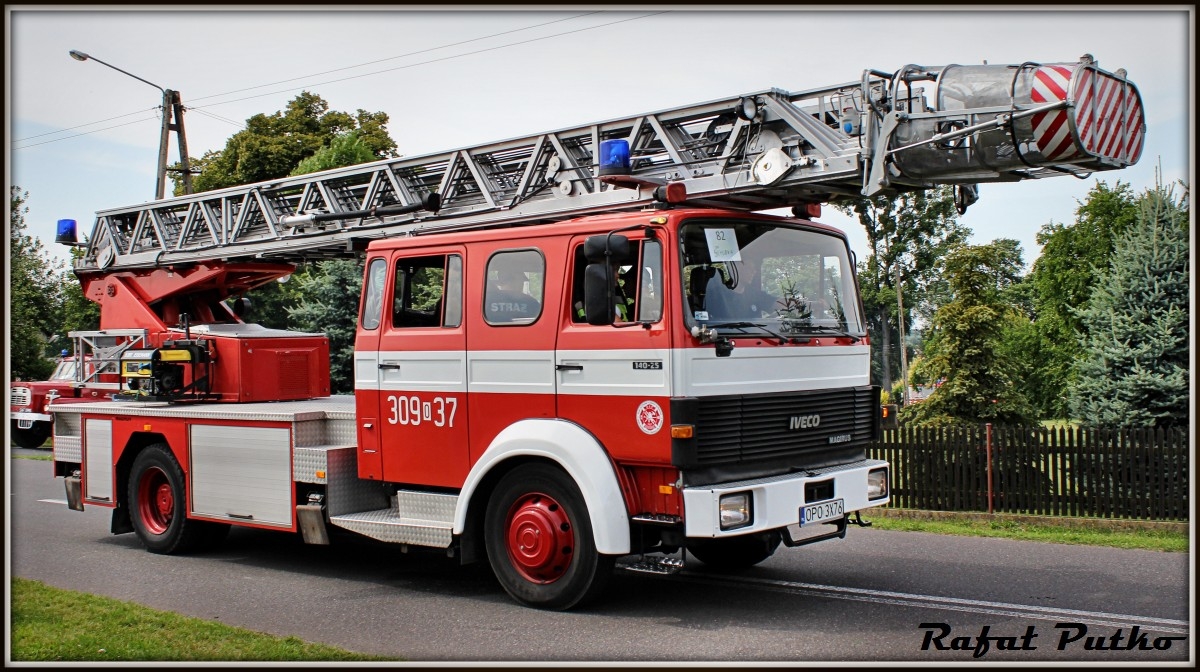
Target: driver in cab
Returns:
[741, 297]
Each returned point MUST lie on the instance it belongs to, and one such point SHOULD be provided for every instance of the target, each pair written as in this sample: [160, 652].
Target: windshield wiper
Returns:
[744, 325]
[813, 328]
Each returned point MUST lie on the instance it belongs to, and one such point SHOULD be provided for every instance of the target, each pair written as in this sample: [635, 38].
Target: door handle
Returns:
[568, 367]
[394, 367]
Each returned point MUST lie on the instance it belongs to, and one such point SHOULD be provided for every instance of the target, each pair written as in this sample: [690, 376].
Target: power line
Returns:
[90, 123]
[392, 58]
[107, 128]
[214, 116]
[200, 109]
[436, 60]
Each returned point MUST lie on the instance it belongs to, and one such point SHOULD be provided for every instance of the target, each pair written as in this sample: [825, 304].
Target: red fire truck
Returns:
[70, 383]
[578, 350]
[28, 421]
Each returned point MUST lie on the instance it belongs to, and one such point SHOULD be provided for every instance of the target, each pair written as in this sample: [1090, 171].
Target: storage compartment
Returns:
[242, 474]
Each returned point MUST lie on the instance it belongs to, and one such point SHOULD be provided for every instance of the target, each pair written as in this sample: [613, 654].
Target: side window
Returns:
[454, 283]
[637, 286]
[650, 298]
[514, 287]
[425, 289]
[373, 301]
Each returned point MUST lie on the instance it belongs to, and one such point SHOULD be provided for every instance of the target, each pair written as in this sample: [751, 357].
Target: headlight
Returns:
[736, 511]
[877, 484]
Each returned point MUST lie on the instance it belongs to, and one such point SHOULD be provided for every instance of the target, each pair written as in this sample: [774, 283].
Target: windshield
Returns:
[65, 371]
[745, 276]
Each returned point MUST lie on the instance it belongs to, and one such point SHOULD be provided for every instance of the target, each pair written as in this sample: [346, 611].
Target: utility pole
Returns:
[172, 107]
[903, 344]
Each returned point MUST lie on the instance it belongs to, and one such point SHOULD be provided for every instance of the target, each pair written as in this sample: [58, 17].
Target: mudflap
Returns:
[121, 523]
[311, 518]
[74, 493]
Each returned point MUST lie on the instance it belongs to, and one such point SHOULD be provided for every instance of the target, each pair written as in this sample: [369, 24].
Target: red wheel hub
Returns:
[156, 500]
[539, 538]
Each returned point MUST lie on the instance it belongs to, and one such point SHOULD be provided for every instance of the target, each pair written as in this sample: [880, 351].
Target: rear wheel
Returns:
[33, 437]
[539, 540]
[158, 505]
[735, 552]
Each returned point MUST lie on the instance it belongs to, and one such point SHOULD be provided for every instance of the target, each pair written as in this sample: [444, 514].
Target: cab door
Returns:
[615, 380]
[421, 369]
[366, 371]
[511, 352]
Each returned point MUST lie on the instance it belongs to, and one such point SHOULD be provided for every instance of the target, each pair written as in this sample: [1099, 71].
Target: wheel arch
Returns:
[138, 441]
[565, 445]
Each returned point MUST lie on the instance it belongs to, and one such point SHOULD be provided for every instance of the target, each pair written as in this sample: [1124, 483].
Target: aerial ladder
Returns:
[169, 261]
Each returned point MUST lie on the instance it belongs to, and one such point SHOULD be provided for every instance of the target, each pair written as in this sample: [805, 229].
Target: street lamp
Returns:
[172, 107]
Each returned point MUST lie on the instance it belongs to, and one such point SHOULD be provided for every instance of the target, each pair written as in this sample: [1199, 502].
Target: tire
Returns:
[735, 552]
[539, 540]
[158, 506]
[33, 437]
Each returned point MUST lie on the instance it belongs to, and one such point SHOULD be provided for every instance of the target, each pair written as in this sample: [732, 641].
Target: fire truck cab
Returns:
[587, 358]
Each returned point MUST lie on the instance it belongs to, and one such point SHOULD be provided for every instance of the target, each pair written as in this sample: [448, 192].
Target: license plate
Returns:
[824, 511]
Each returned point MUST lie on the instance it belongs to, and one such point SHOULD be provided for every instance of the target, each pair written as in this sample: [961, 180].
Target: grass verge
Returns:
[1166, 539]
[50, 624]
[41, 458]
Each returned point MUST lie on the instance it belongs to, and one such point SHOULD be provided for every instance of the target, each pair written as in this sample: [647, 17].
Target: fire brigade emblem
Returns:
[649, 417]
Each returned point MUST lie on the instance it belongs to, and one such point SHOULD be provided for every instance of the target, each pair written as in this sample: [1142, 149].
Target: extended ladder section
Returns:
[771, 149]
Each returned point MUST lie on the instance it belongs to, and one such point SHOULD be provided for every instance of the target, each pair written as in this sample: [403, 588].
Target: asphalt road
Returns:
[863, 598]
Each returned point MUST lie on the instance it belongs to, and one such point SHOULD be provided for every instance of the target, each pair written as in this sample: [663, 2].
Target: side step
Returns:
[652, 564]
[418, 518]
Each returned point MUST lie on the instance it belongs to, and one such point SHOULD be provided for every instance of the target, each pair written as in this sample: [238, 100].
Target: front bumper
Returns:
[26, 418]
[777, 500]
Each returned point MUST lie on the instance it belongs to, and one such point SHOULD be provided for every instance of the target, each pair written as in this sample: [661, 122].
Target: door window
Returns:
[373, 301]
[428, 292]
[514, 287]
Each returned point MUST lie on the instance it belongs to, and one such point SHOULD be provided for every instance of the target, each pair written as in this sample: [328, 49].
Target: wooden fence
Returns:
[1135, 473]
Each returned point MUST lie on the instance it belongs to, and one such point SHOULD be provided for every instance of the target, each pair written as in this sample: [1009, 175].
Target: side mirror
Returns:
[613, 248]
[597, 294]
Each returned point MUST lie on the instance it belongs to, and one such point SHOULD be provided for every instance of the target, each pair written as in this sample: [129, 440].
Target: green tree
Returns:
[328, 302]
[271, 146]
[964, 343]
[1135, 367]
[347, 149]
[75, 311]
[324, 296]
[1063, 278]
[910, 233]
[32, 295]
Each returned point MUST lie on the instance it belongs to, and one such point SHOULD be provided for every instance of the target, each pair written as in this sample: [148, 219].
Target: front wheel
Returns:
[735, 552]
[158, 503]
[539, 540]
[33, 437]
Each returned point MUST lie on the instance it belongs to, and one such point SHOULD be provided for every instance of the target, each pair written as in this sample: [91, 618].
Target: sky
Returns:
[84, 137]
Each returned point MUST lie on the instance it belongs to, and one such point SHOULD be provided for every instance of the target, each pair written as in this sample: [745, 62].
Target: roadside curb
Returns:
[1108, 524]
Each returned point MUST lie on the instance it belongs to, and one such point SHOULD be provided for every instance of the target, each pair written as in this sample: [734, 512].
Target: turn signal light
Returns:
[682, 431]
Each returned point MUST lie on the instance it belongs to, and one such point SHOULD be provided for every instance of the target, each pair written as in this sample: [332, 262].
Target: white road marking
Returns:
[1166, 625]
[54, 501]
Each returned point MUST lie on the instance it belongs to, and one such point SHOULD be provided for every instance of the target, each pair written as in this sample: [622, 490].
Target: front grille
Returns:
[21, 396]
[774, 428]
